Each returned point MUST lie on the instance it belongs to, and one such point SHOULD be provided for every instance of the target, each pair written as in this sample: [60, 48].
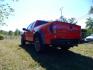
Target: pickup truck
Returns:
[44, 34]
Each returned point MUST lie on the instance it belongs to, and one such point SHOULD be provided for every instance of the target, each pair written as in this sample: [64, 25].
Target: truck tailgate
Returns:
[64, 30]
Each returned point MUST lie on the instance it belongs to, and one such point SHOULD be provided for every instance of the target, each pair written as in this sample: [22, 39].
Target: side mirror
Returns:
[25, 29]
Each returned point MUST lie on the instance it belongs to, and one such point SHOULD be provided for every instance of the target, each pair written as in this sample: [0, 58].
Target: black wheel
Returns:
[38, 44]
[22, 41]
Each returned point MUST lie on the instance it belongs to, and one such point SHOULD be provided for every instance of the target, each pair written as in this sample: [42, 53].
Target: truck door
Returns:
[29, 33]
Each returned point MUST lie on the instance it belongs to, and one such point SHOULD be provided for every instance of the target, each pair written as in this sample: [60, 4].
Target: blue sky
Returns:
[27, 11]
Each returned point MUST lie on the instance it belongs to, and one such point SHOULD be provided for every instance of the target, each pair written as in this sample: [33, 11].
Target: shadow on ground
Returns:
[54, 59]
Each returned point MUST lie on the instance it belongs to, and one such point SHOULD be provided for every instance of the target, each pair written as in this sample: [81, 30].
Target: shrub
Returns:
[1, 37]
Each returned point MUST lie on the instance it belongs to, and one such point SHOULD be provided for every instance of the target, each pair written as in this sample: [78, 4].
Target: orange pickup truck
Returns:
[56, 33]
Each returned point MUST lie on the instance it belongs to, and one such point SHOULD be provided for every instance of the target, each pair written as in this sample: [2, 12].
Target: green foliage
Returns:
[72, 20]
[84, 33]
[17, 32]
[63, 19]
[89, 32]
[5, 10]
[89, 27]
[1, 37]
[10, 33]
[91, 10]
[89, 24]
[3, 32]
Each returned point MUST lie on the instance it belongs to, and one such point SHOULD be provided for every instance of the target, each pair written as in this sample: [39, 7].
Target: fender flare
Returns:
[41, 35]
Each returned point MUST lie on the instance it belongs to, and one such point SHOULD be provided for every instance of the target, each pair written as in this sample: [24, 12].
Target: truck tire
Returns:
[38, 43]
[22, 42]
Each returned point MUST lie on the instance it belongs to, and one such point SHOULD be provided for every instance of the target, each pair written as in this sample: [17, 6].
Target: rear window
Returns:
[40, 23]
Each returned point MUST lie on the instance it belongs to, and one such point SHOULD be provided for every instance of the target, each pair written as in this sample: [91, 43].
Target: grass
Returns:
[84, 49]
[14, 57]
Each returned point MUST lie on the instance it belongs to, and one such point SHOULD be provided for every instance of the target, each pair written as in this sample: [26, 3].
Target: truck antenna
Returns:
[61, 9]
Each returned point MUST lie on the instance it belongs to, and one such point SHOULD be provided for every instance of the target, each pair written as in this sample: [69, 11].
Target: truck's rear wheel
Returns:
[38, 44]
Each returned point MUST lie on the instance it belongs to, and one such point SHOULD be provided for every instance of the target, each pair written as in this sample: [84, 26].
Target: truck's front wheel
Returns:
[22, 41]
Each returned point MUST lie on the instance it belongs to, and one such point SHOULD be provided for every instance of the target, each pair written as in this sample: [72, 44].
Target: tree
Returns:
[63, 19]
[3, 32]
[5, 10]
[89, 24]
[91, 10]
[10, 33]
[72, 21]
[17, 32]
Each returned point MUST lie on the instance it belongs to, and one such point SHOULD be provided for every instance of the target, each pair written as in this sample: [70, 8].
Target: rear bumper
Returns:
[65, 42]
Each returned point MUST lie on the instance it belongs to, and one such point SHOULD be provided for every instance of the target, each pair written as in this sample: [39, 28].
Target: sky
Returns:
[27, 11]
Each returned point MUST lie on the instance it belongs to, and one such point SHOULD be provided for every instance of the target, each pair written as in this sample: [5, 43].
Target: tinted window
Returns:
[30, 26]
[40, 23]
